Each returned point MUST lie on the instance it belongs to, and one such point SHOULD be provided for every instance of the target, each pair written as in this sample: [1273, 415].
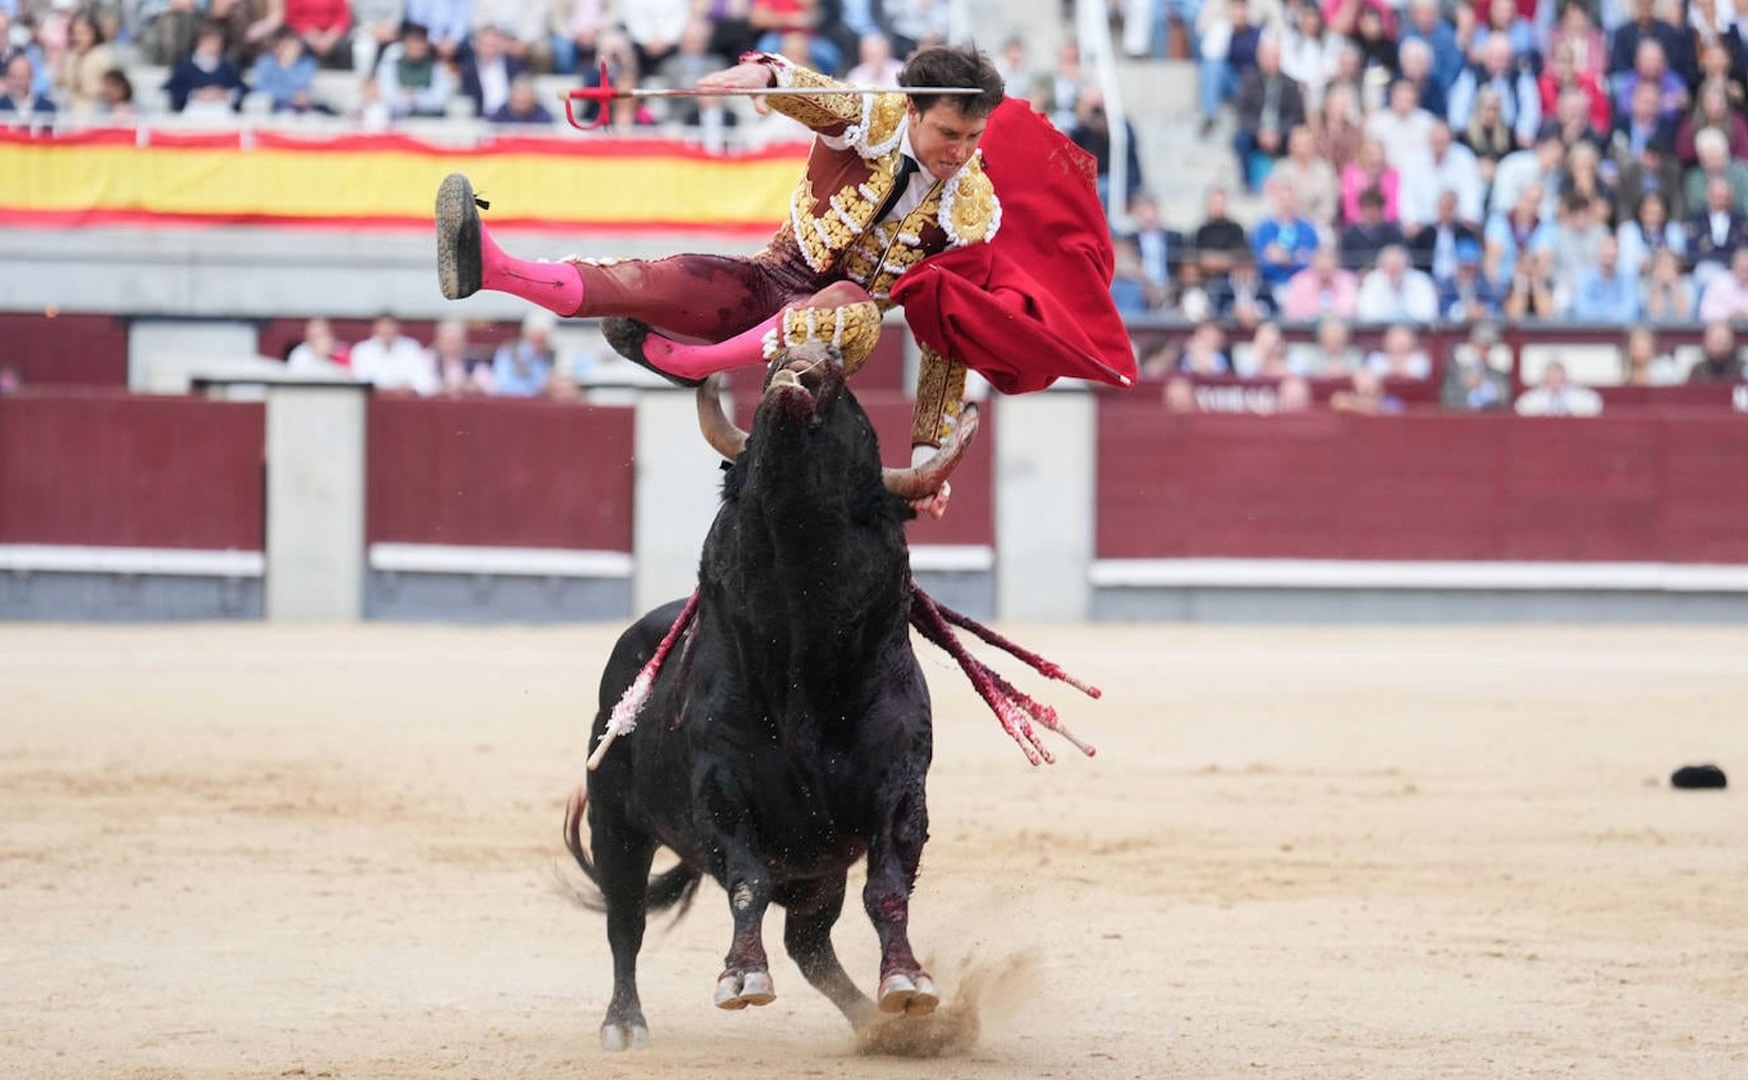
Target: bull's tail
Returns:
[675, 888]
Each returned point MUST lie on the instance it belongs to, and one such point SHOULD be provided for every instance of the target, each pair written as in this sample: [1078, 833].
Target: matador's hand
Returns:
[935, 505]
[741, 77]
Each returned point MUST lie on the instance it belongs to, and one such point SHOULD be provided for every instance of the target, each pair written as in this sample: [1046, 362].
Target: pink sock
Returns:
[699, 361]
[555, 286]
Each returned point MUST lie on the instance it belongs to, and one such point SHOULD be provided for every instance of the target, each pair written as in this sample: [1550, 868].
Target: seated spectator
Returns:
[1651, 66]
[576, 39]
[1576, 239]
[1338, 131]
[1532, 293]
[1373, 34]
[376, 26]
[448, 24]
[1219, 240]
[1712, 112]
[1726, 296]
[1370, 172]
[1513, 234]
[1719, 359]
[1228, 36]
[1503, 26]
[1718, 58]
[1400, 355]
[393, 362]
[1448, 167]
[115, 96]
[523, 367]
[1269, 104]
[1366, 396]
[1426, 23]
[1430, 94]
[324, 26]
[1557, 396]
[1519, 98]
[522, 107]
[411, 79]
[486, 74]
[655, 26]
[285, 73]
[1396, 292]
[318, 351]
[1645, 25]
[1311, 54]
[916, 24]
[1471, 386]
[18, 99]
[206, 82]
[1364, 239]
[1403, 131]
[1065, 84]
[1605, 291]
[1333, 352]
[1283, 241]
[525, 26]
[1311, 177]
[691, 61]
[459, 372]
[1584, 180]
[876, 66]
[1563, 80]
[1644, 363]
[1715, 231]
[1571, 120]
[1667, 296]
[1010, 62]
[83, 64]
[1585, 46]
[1641, 151]
[1292, 395]
[1092, 133]
[1544, 166]
[1242, 296]
[1161, 250]
[1435, 245]
[1713, 147]
[1130, 290]
[1321, 289]
[1204, 353]
[1488, 136]
[1466, 295]
[1265, 357]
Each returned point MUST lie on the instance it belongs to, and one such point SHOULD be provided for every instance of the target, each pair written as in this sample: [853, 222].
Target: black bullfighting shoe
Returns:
[627, 337]
[458, 237]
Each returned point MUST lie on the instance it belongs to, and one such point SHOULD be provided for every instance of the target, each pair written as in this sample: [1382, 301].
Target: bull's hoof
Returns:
[913, 994]
[458, 238]
[617, 1037]
[738, 989]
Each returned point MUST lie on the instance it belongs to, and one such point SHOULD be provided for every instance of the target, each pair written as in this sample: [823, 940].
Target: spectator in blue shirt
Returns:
[1284, 242]
[16, 95]
[447, 21]
[1424, 23]
[522, 107]
[523, 368]
[1606, 292]
[285, 73]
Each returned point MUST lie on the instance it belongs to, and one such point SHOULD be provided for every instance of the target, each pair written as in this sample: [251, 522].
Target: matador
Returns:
[896, 186]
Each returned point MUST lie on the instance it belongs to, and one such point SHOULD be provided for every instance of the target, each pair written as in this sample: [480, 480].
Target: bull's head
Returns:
[803, 386]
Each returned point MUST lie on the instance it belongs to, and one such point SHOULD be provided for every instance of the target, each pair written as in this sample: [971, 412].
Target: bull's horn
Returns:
[719, 430]
[925, 479]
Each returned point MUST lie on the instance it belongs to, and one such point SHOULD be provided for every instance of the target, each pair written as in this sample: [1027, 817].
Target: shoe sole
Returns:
[458, 261]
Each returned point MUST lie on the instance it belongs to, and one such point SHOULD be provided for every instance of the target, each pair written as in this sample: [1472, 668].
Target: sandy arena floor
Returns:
[320, 852]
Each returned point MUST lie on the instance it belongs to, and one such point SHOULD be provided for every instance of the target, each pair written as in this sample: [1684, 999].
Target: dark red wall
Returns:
[500, 473]
[1648, 487]
[65, 350]
[120, 471]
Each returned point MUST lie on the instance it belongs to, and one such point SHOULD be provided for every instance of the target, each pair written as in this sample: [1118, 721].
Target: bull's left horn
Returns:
[921, 481]
[719, 430]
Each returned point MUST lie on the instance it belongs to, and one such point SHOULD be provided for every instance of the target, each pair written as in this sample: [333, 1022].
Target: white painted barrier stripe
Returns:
[1337, 574]
[952, 558]
[519, 562]
[173, 562]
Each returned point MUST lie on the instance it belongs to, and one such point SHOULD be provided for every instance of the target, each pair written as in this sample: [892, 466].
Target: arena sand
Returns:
[334, 852]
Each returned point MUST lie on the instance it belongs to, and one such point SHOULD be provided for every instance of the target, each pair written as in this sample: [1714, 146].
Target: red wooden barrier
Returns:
[1652, 487]
[65, 350]
[121, 471]
[500, 473]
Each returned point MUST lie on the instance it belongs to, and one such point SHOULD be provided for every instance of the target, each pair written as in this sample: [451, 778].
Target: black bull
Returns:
[789, 734]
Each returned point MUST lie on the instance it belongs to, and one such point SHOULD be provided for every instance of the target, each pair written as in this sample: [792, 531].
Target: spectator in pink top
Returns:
[1321, 289]
[1370, 170]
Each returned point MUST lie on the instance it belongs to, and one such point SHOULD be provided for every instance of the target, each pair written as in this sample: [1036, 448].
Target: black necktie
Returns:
[907, 167]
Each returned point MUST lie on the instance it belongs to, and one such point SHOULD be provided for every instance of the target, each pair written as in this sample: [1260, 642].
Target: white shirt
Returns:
[400, 365]
[1415, 300]
[1405, 138]
[1423, 181]
[921, 181]
[1569, 400]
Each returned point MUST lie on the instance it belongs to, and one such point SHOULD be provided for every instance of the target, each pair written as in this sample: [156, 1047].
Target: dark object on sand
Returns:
[1698, 776]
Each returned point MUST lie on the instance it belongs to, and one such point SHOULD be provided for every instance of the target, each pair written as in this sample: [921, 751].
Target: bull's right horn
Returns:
[921, 481]
[719, 430]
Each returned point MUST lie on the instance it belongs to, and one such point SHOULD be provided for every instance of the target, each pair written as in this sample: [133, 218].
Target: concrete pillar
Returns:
[315, 501]
[678, 488]
[1045, 455]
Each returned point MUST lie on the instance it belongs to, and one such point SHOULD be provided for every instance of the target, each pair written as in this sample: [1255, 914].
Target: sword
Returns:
[606, 92]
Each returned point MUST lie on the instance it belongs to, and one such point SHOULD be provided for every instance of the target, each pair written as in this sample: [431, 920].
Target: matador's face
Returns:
[944, 137]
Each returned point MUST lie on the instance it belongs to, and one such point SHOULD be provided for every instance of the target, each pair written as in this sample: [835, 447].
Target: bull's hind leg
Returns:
[623, 858]
[813, 910]
[894, 854]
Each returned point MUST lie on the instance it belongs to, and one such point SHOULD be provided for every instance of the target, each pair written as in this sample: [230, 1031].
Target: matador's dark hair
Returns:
[954, 65]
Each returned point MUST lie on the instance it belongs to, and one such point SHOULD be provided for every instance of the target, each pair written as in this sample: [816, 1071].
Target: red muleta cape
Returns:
[1032, 305]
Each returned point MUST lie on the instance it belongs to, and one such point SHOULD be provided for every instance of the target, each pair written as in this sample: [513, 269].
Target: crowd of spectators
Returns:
[451, 365]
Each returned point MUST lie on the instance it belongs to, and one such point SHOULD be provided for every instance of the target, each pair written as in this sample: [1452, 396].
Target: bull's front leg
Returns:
[745, 875]
[894, 853]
